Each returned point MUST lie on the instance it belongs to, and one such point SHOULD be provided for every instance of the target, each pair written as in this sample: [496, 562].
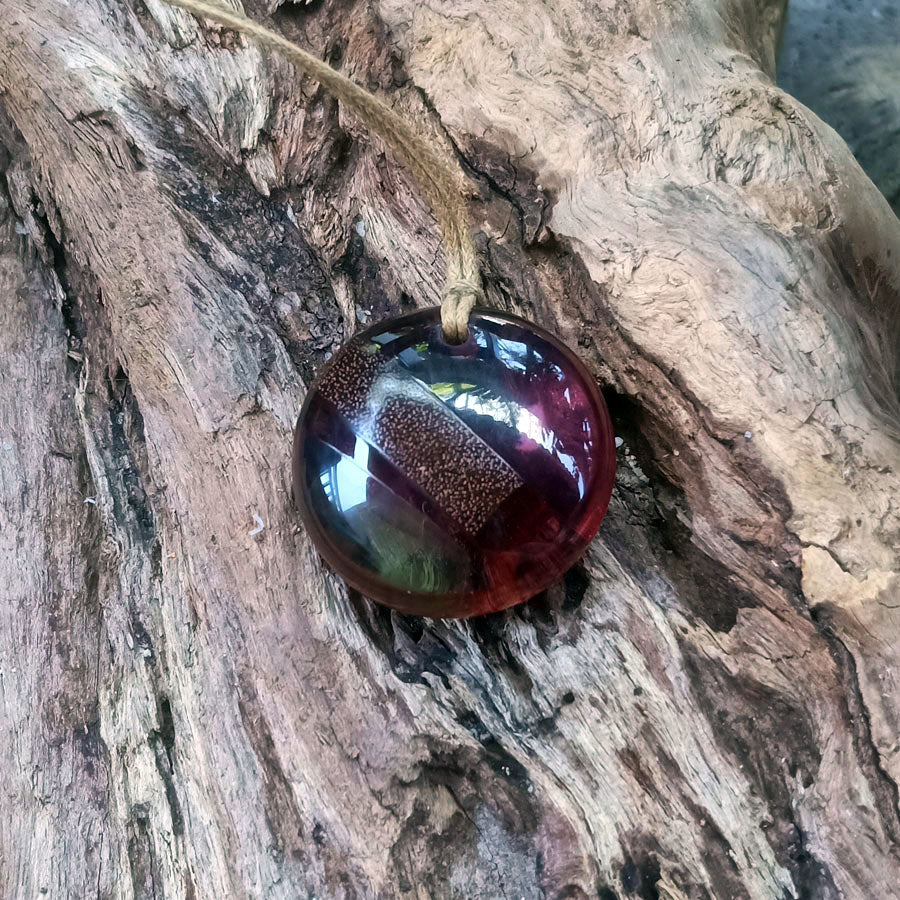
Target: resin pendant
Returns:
[450, 480]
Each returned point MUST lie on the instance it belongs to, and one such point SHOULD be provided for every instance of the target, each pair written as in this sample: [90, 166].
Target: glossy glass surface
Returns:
[452, 480]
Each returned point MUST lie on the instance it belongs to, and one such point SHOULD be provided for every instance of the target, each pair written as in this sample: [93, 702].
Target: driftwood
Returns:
[706, 707]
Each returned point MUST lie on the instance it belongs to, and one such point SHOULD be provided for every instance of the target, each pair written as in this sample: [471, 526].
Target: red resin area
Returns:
[453, 480]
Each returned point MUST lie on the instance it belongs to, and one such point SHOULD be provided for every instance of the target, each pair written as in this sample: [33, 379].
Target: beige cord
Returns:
[441, 184]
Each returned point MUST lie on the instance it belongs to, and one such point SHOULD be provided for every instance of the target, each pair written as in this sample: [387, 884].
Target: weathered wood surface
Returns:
[708, 707]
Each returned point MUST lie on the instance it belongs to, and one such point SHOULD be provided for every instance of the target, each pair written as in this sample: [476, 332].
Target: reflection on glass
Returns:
[378, 530]
[525, 422]
[346, 482]
[449, 479]
[483, 403]
[514, 354]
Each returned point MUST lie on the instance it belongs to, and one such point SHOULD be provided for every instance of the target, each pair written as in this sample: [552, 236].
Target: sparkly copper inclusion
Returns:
[452, 480]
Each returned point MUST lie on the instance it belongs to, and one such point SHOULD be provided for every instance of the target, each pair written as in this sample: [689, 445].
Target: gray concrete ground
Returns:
[841, 58]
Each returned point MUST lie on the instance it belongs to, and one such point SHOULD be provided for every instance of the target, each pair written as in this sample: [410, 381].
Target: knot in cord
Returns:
[459, 298]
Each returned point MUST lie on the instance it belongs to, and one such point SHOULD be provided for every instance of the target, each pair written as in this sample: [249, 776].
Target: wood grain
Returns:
[706, 707]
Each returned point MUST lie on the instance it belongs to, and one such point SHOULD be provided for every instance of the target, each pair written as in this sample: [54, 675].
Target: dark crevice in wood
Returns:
[883, 787]
[320, 26]
[410, 644]
[71, 649]
[815, 881]
[576, 582]
[112, 414]
[296, 11]
[500, 761]
[283, 815]
[639, 879]
[285, 284]
[509, 179]
[46, 241]
[512, 180]
[706, 587]
[413, 646]
[837, 560]
[575, 892]
[166, 727]
[497, 821]
[127, 443]
[69, 307]
[364, 273]
[143, 641]
[667, 457]
[162, 742]
[773, 740]
[724, 873]
[142, 861]
[123, 447]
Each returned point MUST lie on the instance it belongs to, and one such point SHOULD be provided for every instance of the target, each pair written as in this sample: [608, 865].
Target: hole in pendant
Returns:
[457, 346]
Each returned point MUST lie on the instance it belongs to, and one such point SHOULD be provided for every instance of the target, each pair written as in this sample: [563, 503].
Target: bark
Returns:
[706, 707]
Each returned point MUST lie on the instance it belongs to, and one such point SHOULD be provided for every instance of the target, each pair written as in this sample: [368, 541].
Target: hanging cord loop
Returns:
[436, 177]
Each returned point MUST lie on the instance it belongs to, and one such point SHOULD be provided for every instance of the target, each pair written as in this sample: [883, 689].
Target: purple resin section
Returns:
[452, 480]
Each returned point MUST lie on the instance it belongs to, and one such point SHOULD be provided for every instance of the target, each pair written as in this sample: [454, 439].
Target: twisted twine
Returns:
[436, 177]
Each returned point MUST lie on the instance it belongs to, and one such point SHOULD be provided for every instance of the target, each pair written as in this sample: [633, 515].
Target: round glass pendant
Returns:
[450, 480]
